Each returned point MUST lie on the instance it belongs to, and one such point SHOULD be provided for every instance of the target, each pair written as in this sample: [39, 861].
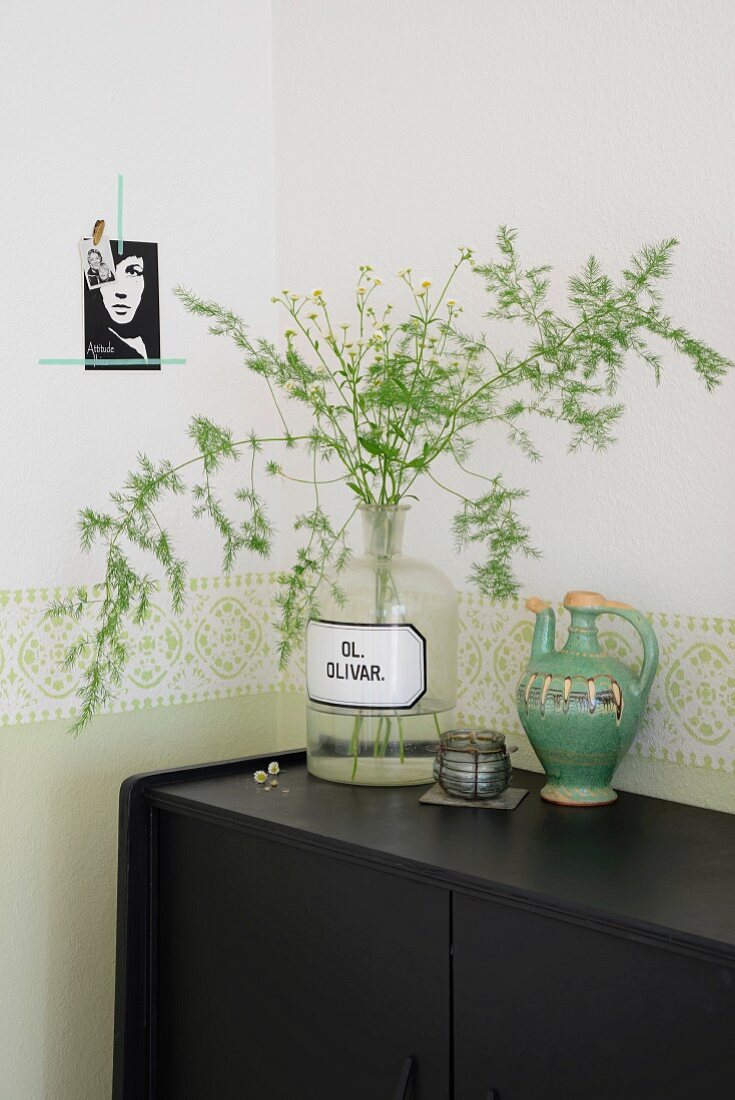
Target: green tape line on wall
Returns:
[119, 215]
[111, 362]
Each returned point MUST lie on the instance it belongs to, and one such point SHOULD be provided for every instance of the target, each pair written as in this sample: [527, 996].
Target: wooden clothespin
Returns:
[99, 228]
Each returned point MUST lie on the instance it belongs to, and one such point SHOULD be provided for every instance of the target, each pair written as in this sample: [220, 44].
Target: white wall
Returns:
[176, 97]
[405, 130]
[178, 100]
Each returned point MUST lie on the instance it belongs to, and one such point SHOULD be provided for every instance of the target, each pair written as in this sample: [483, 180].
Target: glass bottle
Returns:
[381, 663]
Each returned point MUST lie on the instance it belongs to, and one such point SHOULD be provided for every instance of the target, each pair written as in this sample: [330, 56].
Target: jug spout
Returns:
[544, 634]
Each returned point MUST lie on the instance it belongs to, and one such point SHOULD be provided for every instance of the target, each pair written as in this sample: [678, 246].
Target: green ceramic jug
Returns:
[579, 706]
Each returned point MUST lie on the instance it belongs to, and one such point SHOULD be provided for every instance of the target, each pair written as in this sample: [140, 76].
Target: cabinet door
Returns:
[545, 1008]
[284, 973]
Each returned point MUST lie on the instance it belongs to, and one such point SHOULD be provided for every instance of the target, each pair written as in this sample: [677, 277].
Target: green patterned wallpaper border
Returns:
[223, 646]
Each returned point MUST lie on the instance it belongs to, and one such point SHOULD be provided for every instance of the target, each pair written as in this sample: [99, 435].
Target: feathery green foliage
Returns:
[388, 398]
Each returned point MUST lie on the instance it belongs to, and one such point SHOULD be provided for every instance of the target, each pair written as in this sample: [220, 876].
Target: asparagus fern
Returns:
[388, 398]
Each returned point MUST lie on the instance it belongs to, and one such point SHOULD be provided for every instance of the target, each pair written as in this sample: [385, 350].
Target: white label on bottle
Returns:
[366, 666]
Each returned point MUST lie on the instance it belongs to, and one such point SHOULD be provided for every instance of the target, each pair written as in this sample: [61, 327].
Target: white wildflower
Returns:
[273, 768]
[259, 776]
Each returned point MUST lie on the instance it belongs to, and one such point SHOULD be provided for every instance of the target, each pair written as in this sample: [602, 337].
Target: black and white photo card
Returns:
[97, 262]
[121, 315]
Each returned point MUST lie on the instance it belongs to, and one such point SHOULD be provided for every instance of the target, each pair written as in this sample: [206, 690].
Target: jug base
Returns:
[578, 796]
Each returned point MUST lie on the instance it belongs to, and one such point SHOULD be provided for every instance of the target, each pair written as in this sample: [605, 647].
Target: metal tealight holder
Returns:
[473, 765]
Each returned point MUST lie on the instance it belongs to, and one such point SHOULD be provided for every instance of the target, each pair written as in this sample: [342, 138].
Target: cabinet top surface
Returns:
[657, 866]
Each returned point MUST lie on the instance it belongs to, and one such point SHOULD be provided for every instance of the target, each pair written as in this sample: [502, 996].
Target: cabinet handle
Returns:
[404, 1080]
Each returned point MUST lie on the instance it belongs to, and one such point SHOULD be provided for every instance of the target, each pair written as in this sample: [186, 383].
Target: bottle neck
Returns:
[582, 632]
[382, 529]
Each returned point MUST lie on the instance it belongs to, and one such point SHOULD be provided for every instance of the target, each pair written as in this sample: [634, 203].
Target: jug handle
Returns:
[597, 602]
[648, 639]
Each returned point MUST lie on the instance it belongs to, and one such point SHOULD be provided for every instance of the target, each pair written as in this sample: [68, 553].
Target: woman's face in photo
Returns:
[122, 297]
[94, 260]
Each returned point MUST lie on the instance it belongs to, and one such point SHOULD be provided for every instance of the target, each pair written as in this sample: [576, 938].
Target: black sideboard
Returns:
[323, 942]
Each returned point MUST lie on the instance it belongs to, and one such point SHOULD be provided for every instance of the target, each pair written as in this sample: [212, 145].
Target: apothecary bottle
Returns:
[381, 661]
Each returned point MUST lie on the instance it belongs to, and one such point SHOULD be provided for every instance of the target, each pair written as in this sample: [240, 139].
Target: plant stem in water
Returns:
[376, 746]
[355, 745]
[386, 739]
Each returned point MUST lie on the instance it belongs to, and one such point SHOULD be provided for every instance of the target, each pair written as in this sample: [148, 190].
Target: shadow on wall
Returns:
[80, 896]
[58, 845]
